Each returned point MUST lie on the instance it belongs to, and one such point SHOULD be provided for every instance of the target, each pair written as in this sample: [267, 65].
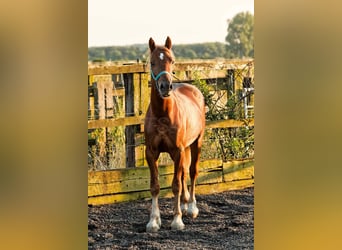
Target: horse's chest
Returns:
[165, 133]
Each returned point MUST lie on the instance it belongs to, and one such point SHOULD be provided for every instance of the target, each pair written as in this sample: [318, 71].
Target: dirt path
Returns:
[225, 221]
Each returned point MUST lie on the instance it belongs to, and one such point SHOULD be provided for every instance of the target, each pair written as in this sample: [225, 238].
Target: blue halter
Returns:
[159, 75]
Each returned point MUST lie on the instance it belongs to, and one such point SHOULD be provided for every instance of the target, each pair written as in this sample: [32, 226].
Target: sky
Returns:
[126, 22]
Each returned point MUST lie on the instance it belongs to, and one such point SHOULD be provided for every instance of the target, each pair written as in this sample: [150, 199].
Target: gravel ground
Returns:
[225, 221]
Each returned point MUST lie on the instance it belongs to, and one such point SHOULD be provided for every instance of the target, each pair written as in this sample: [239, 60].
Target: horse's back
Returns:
[190, 105]
[188, 93]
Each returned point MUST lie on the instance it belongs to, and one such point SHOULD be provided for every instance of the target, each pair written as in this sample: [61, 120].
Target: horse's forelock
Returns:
[158, 49]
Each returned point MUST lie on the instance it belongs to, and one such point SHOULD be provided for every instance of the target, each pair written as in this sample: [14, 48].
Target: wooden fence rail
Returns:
[194, 65]
[120, 185]
[138, 120]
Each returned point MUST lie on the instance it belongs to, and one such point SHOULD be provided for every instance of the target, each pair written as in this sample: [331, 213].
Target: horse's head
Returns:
[161, 66]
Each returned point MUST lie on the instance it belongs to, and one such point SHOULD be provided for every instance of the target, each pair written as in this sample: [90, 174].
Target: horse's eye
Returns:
[152, 64]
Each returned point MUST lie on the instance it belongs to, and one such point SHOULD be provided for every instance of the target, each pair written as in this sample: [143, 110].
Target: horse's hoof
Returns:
[177, 224]
[153, 226]
[152, 229]
[193, 210]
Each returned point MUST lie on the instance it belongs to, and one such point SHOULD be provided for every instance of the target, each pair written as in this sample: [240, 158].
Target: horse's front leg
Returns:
[181, 161]
[155, 222]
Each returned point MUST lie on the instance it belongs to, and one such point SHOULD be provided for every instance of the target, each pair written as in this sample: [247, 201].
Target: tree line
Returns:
[239, 44]
[140, 51]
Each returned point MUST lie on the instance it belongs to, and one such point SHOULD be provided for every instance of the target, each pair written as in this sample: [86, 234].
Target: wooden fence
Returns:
[119, 185]
[118, 96]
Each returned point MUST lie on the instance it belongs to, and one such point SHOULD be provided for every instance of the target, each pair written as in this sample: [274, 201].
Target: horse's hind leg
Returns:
[181, 161]
[154, 224]
[185, 192]
[195, 155]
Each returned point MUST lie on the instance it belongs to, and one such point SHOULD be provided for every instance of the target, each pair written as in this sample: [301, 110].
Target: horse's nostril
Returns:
[165, 86]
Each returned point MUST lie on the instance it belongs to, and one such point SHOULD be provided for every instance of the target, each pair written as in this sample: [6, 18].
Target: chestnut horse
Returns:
[174, 123]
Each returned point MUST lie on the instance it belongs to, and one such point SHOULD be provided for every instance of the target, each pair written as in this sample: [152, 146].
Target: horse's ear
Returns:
[151, 44]
[168, 43]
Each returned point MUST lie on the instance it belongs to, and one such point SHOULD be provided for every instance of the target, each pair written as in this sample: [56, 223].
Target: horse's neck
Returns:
[160, 107]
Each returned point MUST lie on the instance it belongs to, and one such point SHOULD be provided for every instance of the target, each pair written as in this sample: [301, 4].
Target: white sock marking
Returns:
[177, 223]
[193, 210]
[155, 222]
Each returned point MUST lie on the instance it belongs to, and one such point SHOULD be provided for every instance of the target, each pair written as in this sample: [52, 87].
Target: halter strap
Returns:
[159, 75]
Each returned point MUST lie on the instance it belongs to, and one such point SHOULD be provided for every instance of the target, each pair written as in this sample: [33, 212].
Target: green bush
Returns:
[225, 143]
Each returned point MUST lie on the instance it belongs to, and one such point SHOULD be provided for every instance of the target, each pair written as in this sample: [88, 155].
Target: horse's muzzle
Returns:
[165, 88]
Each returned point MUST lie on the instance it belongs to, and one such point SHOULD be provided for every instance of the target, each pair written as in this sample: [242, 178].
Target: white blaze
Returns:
[161, 56]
